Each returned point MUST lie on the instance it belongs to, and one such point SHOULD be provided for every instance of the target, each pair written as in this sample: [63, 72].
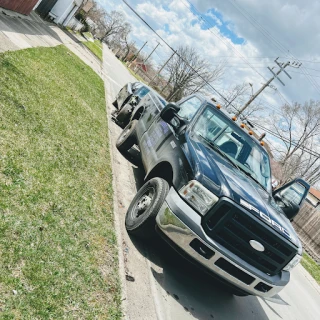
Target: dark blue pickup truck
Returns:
[208, 193]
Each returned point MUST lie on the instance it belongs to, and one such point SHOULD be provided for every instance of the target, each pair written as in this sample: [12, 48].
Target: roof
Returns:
[315, 192]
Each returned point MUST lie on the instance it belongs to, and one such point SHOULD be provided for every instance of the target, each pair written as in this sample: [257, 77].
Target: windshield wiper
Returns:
[216, 148]
[253, 178]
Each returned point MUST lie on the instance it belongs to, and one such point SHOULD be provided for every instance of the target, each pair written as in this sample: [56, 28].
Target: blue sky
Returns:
[247, 35]
[215, 18]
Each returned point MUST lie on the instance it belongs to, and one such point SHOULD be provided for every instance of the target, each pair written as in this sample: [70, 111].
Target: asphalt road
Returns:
[158, 283]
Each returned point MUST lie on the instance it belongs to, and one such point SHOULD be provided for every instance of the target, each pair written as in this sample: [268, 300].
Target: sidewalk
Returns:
[22, 32]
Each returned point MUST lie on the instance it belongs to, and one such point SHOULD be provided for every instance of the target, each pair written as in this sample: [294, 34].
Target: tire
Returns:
[141, 216]
[115, 103]
[127, 137]
[123, 117]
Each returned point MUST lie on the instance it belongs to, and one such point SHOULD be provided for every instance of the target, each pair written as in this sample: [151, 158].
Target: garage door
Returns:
[21, 6]
[45, 7]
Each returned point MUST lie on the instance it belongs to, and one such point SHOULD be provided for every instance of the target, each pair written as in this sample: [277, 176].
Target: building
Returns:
[314, 197]
[58, 11]
[20, 6]
[87, 6]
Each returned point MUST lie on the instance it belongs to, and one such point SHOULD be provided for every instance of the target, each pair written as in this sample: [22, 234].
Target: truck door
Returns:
[152, 107]
[159, 133]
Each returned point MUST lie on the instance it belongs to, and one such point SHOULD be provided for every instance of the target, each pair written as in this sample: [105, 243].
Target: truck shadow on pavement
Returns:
[200, 295]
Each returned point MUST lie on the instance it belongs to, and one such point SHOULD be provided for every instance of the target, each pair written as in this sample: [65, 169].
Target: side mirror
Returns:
[290, 197]
[169, 111]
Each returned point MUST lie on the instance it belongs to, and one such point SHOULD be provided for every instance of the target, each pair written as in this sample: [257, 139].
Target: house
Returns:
[59, 11]
[87, 6]
[313, 197]
[20, 6]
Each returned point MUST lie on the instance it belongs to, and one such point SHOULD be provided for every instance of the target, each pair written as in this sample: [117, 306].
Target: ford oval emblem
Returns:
[256, 245]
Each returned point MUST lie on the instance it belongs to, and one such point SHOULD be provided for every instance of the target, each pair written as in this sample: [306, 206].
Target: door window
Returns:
[294, 193]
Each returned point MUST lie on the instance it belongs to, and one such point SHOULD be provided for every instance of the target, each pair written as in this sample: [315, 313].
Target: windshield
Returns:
[236, 144]
[142, 92]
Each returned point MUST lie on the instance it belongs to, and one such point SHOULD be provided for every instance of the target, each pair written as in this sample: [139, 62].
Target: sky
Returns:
[247, 35]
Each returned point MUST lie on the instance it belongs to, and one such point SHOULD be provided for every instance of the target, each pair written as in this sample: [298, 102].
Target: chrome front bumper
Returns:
[182, 225]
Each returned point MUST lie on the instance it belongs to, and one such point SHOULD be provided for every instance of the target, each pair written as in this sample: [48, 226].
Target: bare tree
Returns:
[128, 47]
[298, 128]
[186, 70]
[236, 96]
[96, 14]
[114, 25]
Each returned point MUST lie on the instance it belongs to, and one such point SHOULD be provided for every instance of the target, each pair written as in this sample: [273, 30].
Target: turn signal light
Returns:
[218, 106]
[234, 118]
[242, 125]
[262, 143]
[251, 133]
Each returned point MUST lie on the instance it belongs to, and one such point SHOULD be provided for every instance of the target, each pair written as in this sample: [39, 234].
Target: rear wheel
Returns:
[115, 103]
[127, 137]
[141, 215]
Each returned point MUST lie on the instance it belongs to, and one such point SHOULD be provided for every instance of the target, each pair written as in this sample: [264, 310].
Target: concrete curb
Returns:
[120, 239]
[309, 278]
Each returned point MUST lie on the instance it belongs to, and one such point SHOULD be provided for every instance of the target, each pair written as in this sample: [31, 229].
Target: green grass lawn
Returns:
[58, 256]
[95, 47]
[88, 35]
[311, 266]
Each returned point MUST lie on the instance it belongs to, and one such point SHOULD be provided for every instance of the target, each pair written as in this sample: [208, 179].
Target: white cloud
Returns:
[215, 18]
[269, 28]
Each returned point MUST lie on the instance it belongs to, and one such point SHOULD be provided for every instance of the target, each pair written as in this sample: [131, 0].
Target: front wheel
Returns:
[123, 117]
[142, 212]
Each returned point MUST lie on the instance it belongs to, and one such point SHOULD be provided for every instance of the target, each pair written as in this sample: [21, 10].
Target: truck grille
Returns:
[233, 228]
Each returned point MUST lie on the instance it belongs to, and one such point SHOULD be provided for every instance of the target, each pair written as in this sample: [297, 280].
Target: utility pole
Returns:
[144, 62]
[137, 54]
[161, 68]
[281, 66]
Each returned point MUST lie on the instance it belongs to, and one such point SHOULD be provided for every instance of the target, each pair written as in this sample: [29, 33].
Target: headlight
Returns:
[198, 196]
[292, 263]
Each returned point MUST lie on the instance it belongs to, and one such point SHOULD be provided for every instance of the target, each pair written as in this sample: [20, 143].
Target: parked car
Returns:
[208, 193]
[128, 98]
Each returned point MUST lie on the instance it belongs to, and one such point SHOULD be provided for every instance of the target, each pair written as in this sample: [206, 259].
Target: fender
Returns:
[181, 170]
[136, 111]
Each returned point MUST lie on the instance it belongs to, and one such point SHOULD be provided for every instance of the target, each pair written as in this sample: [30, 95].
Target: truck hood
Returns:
[223, 179]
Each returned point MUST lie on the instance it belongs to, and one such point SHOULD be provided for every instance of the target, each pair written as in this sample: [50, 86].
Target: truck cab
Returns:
[208, 193]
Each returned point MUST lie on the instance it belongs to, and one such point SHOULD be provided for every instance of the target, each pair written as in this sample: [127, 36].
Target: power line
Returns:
[164, 41]
[233, 65]
[217, 35]
[270, 58]
[280, 46]
[312, 75]
[305, 149]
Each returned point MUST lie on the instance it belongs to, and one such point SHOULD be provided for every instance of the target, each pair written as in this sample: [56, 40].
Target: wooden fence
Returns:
[307, 225]
[21, 6]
